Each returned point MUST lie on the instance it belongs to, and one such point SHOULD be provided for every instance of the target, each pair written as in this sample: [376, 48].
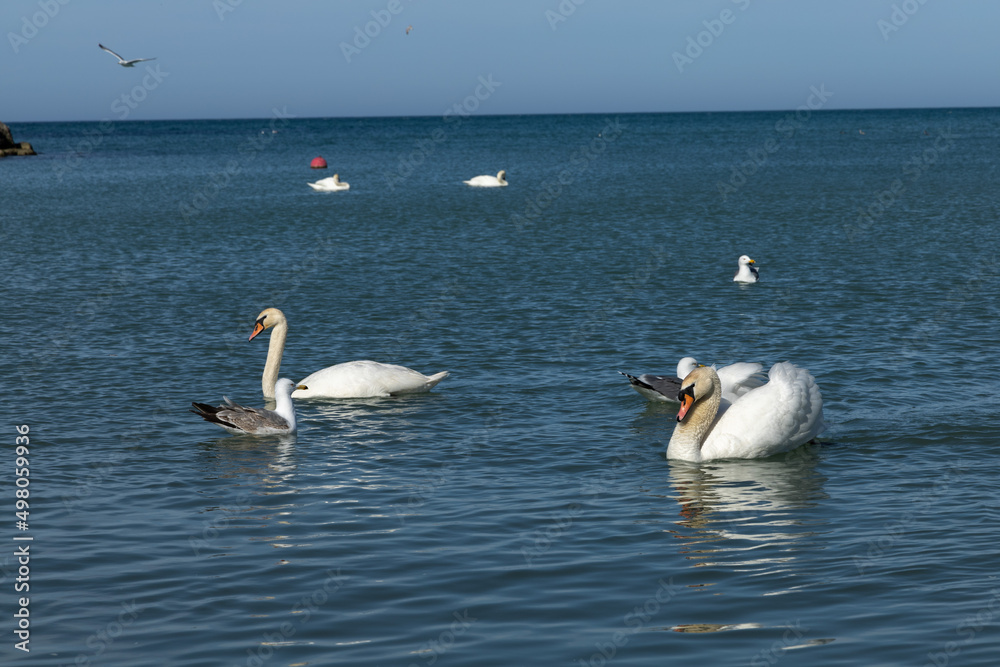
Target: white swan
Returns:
[776, 417]
[737, 379]
[488, 181]
[331, 184]
[242, 420]
[747, 273]
[352, 379]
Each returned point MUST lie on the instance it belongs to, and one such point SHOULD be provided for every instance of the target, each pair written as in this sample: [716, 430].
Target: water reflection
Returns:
[245, 480]
[272, 457]
[365, 420]
[746, 515]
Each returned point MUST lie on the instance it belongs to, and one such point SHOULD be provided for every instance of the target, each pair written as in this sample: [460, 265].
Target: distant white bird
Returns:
[747, 273]
[488, 181]
[242, 420]
[122, 61]
[331, 184]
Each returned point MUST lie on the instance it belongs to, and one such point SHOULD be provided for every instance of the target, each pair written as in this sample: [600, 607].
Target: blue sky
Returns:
[245, 58]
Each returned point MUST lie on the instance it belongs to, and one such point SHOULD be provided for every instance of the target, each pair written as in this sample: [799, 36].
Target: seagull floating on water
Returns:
[747, 272]
[122, 61]
[242, 420]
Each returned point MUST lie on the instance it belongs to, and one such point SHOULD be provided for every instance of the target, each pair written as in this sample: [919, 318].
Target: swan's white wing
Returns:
[329, 183]
[739, 378]
[777, 417]
[364, 379]
[484, 182]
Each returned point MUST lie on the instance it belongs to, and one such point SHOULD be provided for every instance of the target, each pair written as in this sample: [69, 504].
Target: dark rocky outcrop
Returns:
[8, 147]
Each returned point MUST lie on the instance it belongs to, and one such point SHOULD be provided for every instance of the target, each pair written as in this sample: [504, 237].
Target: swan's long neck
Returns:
[283, 406]
[275, 349]
[690, 434]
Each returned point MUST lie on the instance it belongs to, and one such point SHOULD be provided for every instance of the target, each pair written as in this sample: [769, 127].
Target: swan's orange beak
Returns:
[257, 328]
[686, 396]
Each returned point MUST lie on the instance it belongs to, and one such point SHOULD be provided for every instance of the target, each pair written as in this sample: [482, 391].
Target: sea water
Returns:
[523, 512]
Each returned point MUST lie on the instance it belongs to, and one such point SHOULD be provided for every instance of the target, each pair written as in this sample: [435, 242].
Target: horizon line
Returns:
[505, 115]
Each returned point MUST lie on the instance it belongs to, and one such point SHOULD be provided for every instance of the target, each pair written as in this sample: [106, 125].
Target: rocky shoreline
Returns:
[8, 147]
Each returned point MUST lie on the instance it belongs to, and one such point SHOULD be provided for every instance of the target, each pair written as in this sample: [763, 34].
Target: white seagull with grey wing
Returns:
[243, 420]
[122, 61]
[747, 272]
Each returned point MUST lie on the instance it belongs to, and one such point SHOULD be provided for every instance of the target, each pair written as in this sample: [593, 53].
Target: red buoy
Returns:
[318, 163]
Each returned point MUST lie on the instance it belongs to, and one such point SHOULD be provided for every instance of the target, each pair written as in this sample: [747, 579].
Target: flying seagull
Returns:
[122, 61]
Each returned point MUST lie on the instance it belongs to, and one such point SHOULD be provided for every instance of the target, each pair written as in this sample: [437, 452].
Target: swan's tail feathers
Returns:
[437, 377]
